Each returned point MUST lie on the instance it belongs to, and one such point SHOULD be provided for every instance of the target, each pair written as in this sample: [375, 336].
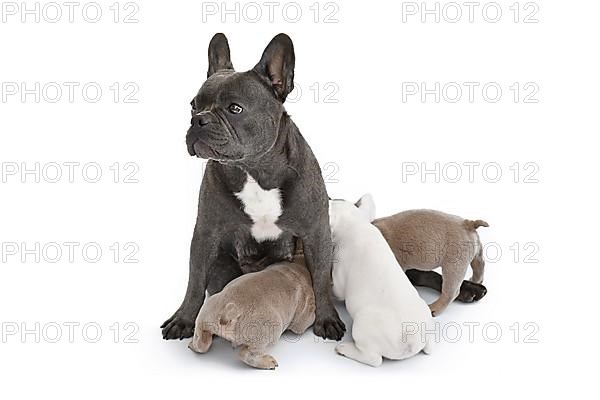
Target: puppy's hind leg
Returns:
[257, 358]
[201, 342]
[478, 265]
[452, 274]
[349, 349]
[302, 323]
[366, 332]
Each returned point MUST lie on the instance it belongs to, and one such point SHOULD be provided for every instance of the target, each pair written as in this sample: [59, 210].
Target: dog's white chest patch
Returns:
[263, 207]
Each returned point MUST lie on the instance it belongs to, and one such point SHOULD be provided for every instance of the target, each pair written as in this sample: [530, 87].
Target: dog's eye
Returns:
[235, 108]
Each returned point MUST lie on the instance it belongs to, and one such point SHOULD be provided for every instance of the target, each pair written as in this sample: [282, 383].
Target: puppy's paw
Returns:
[257, 360]
[331, 327]
[341, 349]
[268, 362]
[177, 327]
[436, 309]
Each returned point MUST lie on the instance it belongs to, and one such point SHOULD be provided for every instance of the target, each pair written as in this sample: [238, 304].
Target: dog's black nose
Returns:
[202, 118]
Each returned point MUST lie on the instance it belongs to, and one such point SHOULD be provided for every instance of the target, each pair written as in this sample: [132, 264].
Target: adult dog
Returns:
[262, 187]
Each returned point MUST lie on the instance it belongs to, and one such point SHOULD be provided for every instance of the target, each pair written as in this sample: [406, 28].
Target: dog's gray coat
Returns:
[240, 124]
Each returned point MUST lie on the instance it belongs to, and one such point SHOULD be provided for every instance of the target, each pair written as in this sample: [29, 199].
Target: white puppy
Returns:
[390, 318]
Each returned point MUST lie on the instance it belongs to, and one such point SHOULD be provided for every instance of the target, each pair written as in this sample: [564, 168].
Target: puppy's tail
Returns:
[473, 225]
[230, 313]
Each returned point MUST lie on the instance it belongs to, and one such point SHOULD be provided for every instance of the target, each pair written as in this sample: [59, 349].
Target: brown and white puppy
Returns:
[427, 239]
[253, 311]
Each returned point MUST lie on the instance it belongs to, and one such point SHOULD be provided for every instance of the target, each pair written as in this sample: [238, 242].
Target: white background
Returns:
[370, 135]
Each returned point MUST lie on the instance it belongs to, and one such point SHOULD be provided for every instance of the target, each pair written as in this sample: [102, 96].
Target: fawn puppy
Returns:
[253, 310]
[427, 239]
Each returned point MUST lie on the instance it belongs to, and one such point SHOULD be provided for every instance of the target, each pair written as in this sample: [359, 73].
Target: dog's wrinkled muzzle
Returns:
[198, 127]
[190, 139]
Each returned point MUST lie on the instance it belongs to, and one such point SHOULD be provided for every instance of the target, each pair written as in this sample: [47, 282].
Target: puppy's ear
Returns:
[367, 206]
[218, 54]
[276, 65]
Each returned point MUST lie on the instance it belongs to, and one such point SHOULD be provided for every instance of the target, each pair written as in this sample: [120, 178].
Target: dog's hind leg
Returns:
[257, 358]
[349, 349]
[201, 342]
[367, 331]
[452, 274]
[302, 323]
[478, 264]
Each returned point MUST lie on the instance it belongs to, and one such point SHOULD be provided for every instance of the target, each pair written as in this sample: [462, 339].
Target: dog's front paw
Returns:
[330, 327]
[177, 327]
[479, 291]
[471, 292]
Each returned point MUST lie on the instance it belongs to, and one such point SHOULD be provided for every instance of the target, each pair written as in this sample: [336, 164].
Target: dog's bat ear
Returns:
[218, 54]
[276, 65]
